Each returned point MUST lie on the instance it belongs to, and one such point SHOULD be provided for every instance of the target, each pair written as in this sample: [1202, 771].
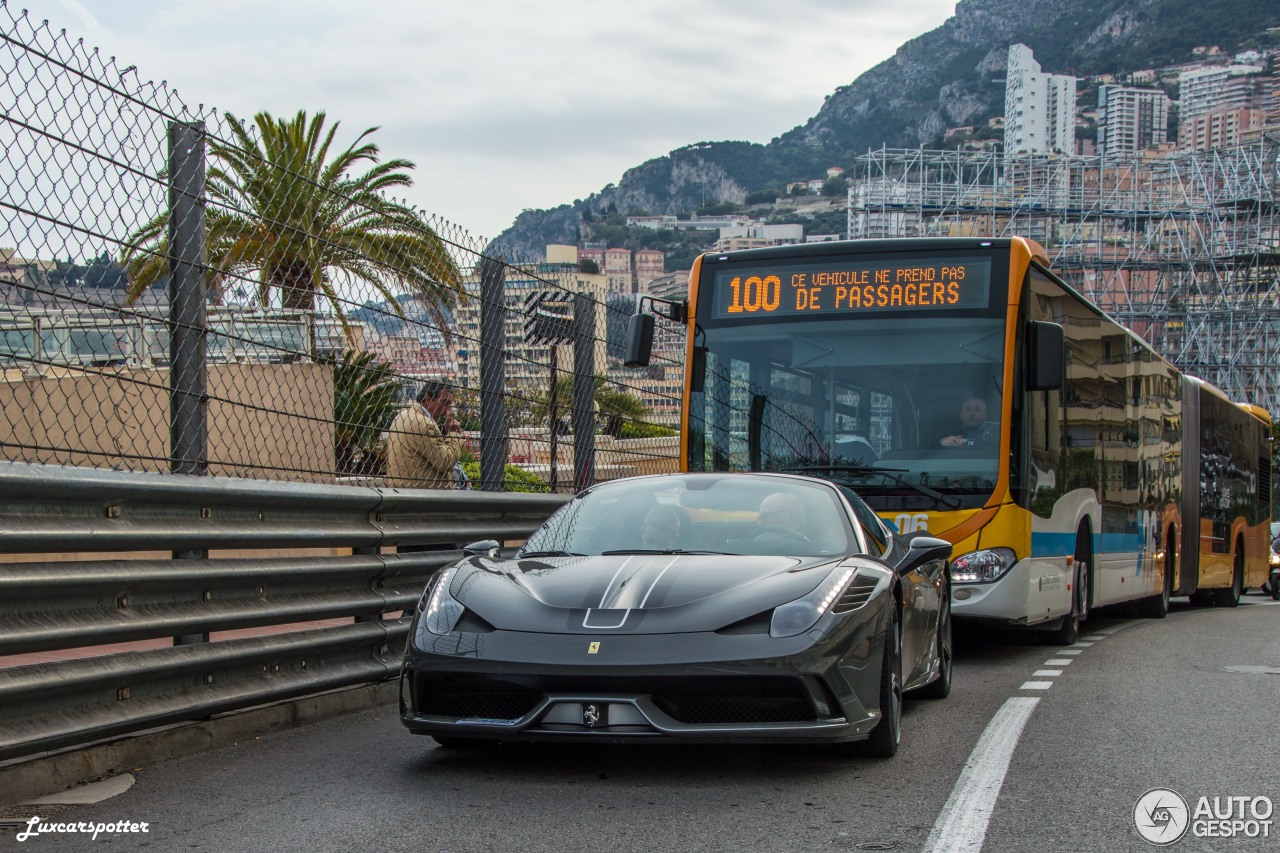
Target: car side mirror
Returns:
[921, 550]
[483, 548]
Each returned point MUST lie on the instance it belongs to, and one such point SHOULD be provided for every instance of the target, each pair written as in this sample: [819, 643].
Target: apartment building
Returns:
[1219, 87]
[1131, 119]
[1039, 108]
[1225, 128]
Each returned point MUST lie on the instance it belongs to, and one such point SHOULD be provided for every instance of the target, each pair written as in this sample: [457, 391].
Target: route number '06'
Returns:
[755, 294]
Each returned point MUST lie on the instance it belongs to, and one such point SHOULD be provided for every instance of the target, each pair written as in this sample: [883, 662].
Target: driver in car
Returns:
[781, 517]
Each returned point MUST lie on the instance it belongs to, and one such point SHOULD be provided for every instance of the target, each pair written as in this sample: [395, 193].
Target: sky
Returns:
[504, 105]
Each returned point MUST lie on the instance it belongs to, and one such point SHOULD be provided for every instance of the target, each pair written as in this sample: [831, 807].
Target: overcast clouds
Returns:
[505, 104]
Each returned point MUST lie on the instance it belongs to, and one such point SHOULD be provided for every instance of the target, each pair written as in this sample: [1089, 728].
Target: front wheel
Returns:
[1275, 585]
[885, 737]
[1069, 631]
[940, 687]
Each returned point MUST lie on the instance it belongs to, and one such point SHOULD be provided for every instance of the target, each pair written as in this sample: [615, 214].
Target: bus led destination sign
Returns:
[853, 287]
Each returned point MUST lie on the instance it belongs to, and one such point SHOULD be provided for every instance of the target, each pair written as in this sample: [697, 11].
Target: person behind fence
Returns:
[424, 442]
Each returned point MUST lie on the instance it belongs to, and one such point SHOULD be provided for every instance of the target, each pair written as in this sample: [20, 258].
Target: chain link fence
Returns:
[185, 290]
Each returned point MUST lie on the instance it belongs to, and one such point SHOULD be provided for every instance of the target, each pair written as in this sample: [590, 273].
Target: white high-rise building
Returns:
[1039, 109]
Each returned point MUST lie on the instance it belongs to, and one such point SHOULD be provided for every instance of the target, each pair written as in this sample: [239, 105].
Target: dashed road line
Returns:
[961, 826]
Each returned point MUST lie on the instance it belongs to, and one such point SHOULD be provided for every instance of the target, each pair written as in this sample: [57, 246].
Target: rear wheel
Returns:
[1230, 597]
[940, 687]
[885, 737]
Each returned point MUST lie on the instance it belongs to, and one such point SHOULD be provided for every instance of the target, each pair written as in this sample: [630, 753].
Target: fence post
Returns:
[584, 388]
[188, 403]
[493, 405]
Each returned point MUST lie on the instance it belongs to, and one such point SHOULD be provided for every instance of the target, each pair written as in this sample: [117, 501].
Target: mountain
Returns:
[948, 77]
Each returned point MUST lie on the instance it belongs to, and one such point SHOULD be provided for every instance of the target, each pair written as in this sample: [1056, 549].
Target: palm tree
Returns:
[285, 216]
[366, 396]
[614, 406]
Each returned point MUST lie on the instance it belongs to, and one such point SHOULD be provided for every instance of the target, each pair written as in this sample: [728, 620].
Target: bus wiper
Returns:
[888, 473]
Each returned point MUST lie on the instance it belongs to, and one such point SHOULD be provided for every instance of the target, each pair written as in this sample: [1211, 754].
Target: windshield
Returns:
[903, 409]
[729, 514]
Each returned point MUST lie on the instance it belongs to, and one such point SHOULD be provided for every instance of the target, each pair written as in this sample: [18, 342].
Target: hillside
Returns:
[948, 77]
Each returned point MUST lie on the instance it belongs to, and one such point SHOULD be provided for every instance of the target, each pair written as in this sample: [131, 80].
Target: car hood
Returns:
[631, 593]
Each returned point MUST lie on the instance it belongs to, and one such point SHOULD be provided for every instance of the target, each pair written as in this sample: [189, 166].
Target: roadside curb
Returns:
[35, 776]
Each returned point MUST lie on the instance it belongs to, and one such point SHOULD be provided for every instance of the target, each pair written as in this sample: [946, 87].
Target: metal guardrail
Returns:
[48, 606]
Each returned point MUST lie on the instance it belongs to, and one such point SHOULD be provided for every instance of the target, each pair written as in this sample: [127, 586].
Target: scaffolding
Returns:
[1184, 249]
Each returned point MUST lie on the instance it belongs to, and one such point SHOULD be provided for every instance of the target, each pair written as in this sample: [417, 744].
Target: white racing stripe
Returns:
[962, 824]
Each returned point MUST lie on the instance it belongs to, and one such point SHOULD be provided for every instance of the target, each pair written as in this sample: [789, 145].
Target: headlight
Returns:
[796, 617]
[1273, 558]
[443, 610]
[983, 566]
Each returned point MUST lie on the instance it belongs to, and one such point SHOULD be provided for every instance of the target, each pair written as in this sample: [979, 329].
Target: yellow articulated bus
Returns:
[964, 390]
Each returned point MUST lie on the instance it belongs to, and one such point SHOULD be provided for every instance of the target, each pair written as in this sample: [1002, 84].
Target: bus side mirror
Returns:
[639, 341]
[1048, 355]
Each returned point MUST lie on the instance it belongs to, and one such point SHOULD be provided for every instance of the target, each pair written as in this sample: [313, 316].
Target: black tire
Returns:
[885, 737]
[1157, 606]
[1275, 588]
[940, 687]
[1230, 597]
[1069, 630]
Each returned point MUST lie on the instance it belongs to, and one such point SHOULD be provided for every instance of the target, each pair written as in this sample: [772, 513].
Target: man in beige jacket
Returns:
[423, 442]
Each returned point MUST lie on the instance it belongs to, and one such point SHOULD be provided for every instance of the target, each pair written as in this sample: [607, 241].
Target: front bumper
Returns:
[708, 688]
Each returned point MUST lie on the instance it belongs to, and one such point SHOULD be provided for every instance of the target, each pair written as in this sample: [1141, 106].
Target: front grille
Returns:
[694, 700]
[489, 700]
[722, 701]
[857, 594]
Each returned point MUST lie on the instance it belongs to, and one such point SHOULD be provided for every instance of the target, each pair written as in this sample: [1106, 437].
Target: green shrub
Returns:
[514, 478]
[632, 429]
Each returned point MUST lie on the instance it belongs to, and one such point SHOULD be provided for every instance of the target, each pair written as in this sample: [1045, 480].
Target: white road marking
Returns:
[1081, 645]
[1041, 673]
[1058, 661]
[1111, 629]
[962, 824]
[1071, 651]
[1036, 685]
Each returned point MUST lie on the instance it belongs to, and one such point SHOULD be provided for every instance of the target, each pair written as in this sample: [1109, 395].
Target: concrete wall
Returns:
[265, 421]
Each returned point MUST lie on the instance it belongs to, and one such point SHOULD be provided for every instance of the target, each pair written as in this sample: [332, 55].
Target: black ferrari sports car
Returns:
[686, 607]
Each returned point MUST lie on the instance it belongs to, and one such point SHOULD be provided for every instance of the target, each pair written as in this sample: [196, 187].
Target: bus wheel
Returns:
[1230, 597]
[1157, 606]
[1069, 631]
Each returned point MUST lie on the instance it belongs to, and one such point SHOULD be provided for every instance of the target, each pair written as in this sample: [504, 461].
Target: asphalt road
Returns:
[1142, 704]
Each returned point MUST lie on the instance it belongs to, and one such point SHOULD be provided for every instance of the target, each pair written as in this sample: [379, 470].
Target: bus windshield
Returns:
[904, 409]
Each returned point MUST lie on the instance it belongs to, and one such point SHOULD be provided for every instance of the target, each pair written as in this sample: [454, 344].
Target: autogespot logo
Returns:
[1161, 816]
